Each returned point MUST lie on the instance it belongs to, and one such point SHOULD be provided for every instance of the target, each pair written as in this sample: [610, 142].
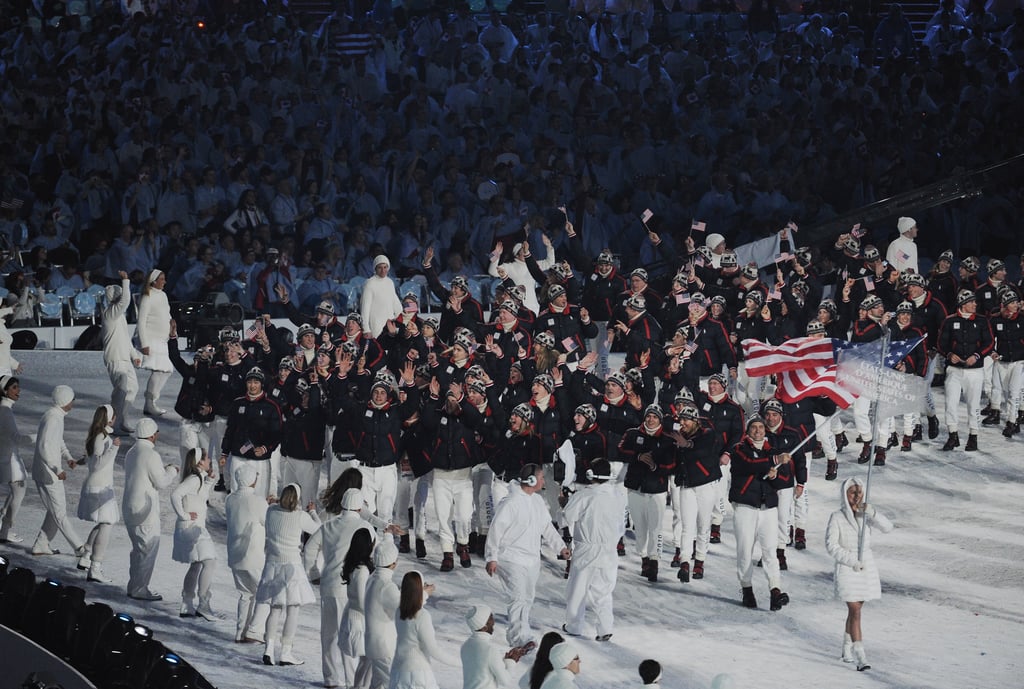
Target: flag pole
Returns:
[875, 423]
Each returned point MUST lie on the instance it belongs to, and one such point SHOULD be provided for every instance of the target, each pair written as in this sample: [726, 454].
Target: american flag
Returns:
[646, 215]
[872, 351]
[791, 226]
[690, 346]
[869, 284]
[799, 353]
[857, 231]
[699, 226]
[813, 382]
[355, 44]
[252, 331]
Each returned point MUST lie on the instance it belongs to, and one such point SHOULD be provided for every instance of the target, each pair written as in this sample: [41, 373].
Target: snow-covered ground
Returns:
[952, 612]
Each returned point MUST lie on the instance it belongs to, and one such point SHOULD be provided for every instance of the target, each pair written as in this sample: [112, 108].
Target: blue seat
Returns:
[50, 308]
[83, 306]
[411, 286]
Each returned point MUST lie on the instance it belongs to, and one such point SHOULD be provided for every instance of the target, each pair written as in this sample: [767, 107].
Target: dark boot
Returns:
[716, 533]
[421, 548]
[879, 456]
[1020, 417]
[939, 380]
[652, 572]
[972, 443]
[677, 559]
[841, 441]
[818, 452]
[448, 562]
[403, 544]
[645, 566]
[481, 544]
[621, 548]
[566, 536]
[698, 569]
[472, 541]
[907, 444]
[993, 419]
[568, 567]
[988, 410]
[952, 441]
[684, 572]
[748, 597]
[1011, 429]
[780, 553]
[933, 427]
[790, 535]
[832, 470]
[464, 559]
[220, 487]
[894, 440]
[778, 599]
[917, 435]
[865, 453]
[801, 539]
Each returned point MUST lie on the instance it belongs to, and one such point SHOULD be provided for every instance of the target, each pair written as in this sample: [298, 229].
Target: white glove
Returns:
[869, 511]
[858, 567]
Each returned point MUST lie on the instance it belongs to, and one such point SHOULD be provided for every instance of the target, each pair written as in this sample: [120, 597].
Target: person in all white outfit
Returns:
[416, 644]
[12, 468]
[382, 599]
[332, 540]
[379, 302]
[49, 476]
[8, 364]
[283, 584]
[247, 536]
[848, 541]
[98, 503]
[119, 356]
[355, 574]
[144, 477]
[902, 251]
[521, 524]
[565, 664]
[192, 542]
[518, 270]
[593, 516]
[154, 329]
[484, 666]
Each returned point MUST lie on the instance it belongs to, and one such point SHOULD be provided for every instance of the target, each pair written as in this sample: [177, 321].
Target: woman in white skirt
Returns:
[154, 329]
[352, 635]
[416, 645]
[12, 467]
[283, 585]
[192, 542]
[98, 503]
[856, 576]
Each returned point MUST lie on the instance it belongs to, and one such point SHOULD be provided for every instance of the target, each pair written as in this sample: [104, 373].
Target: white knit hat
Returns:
[561, 654]
[905, 224]
[246, 474]
[381, 258]
[385, 554]
[146, 428]
[352, 499]
[113, 292]
[63, 395]
[713, 240]
[154, 274]
[477, 616]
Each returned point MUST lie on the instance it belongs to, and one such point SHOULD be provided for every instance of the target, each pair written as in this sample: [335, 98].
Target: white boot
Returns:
[188, 605]
[270, 653]
[848, 649]
[287, 658]
[206, 611]
[96, 573]
[861, 656]
[150, 409]
[84, 559]
[42, 547]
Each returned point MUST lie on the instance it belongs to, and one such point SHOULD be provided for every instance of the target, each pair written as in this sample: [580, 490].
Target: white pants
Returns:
[412, 493]
[155, 385]
[1007, 377]
[192, 435]
[691, 517]
[339, 464]
[969, 382]
[218, 427]
[453, 500]
[592, 580]
[756, 527]
[126, 387]
[483, 477]
[646, 509]
[802, 505]
[929, 397]
[11, 505]
[267, 481]
[145, 540]
[499, 491]
[752, 389]
[56, 504]
[987, 367]
[252, 617]
[304, 472]
[332, 605]
[785, 515]
[721, 505]
[862, 420]
[520, 584]
[380, 672]
[552, 491]
[826, 435]
[380, 488]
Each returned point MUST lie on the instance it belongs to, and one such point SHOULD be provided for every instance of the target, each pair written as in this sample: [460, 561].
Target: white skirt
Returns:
[412, 679]
[14, 470]
[158, 359]
[192, 543]
[99, 506]
[353, 633]
[284, 583]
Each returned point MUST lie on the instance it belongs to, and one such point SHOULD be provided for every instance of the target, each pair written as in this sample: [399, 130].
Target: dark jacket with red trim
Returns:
[964, 336]
[252, 423]
[928, 317]
[376, 434]
[513, 453]
[644, 334]
[588, 445]
[784, 439]
[748, 467]
[699, 464]
[305, 416]
[451, 443]
[725, 416]
[639, 476]
[194, 393]
[714, 349]
[1009, 337]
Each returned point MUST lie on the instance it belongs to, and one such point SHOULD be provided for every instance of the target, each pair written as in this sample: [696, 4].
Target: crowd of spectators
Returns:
[195, 139]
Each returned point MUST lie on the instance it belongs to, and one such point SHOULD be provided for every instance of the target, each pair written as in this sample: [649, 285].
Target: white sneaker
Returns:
[205, 611]
[96, 574]
[287, 658]
[44, 549]
[11, 537]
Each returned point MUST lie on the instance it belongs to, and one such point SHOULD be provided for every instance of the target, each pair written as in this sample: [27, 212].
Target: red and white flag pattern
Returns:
[799, 353]
[813, 382]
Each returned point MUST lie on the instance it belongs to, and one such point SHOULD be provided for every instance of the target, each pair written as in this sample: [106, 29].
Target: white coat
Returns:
[284, 581]
[333, 539]
[98, 503]
[519, 272]
[12, 468]
[192, 542]
[902, 254]
[559, 679]
[378, 304]
[521, 522]
[144, 477]
[416, 647]
[117, 341]
[247, 534]
[8, 364]
[382, 598]
[841, 542]
[483, 665]
[50, 448]
[154, 329]
[353, 620]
